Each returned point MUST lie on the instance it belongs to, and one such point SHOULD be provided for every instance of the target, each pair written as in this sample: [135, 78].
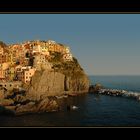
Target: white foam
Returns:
[124, 93]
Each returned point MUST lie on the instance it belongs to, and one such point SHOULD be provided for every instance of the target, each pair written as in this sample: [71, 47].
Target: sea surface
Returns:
[93, 110]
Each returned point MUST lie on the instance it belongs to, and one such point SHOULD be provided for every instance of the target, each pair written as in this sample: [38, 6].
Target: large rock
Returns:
[53, 83]
[69, 78]
[47, 105]
[77, 85]
[95, 88]
[76, 81]
[28, 108]
[6, 102]
[44, 105]
[46, 82]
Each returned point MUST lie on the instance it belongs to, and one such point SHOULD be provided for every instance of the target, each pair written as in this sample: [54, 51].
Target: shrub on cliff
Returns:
[2, 44]
[56, 57]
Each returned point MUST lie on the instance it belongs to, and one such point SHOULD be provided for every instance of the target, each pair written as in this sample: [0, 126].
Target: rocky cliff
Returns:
[64, 78]
[49, 83]
[55, 77]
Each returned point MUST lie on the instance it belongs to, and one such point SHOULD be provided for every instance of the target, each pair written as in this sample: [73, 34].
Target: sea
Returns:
[93, 110]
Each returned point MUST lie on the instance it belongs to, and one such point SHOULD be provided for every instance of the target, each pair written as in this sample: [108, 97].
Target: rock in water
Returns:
[95, 88]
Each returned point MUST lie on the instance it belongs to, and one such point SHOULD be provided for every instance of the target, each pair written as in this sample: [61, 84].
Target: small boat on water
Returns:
[72, 107]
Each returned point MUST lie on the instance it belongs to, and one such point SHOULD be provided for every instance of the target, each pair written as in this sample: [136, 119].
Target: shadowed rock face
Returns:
[77, 85]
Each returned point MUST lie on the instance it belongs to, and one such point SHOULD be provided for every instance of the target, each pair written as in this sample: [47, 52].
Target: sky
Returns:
[104, 44]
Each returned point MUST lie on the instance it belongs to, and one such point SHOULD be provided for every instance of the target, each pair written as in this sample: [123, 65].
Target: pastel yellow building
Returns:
[27, 75]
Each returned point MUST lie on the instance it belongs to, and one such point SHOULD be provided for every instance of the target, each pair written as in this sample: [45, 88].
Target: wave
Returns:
[123, 93]
[132, 95]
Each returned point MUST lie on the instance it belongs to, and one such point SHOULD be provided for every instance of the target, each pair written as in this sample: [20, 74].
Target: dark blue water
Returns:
[94, 110]
[130, 83]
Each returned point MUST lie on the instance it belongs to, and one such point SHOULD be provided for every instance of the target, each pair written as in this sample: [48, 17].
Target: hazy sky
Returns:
[105, 44]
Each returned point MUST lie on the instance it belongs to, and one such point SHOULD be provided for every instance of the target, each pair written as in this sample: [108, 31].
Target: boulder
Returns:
[47, 105]
[95, 88]
[44, 105]
[28, 108]
[6, 102]
[46, 82]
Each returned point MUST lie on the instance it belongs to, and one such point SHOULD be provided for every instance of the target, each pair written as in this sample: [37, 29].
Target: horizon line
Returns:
[113, 74]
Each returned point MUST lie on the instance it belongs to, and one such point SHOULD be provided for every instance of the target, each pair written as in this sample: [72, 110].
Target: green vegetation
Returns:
[56, 57]
[3, 44]
[31, 61]
[69, 68]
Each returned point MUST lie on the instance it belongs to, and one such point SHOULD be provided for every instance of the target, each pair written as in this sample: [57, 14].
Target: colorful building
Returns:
[4, 58]
[27, 75]
[24, 74]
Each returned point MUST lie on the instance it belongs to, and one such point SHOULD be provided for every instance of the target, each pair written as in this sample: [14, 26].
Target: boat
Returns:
[72, 107]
